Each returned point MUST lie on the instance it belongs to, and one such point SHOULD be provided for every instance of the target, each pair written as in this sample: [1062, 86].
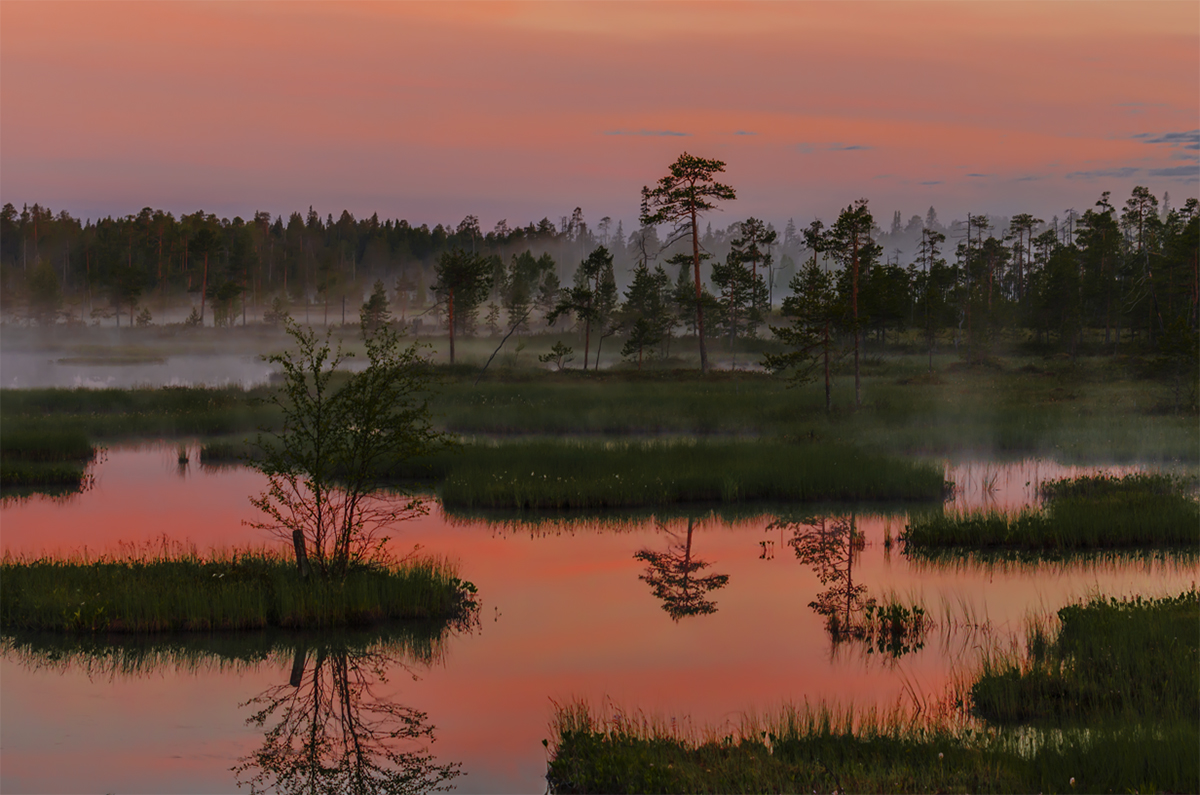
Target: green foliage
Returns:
[678, 199]
[559, 355]
[463, 281]
[593, 299]
[338, 435]
[375, 312]
[278, 314]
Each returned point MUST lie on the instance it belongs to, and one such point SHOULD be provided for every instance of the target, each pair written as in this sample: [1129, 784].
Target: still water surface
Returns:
[565, 614]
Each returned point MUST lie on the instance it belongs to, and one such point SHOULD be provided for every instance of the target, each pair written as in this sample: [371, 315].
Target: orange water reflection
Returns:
[565, 614]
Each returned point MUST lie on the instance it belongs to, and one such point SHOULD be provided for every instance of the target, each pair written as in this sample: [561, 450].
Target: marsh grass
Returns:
[113, 414]
[818, 749]
[234, 591]
[43, 456]
[1089, 410]
[589, 475]
[1107, 486]
[1135, 660]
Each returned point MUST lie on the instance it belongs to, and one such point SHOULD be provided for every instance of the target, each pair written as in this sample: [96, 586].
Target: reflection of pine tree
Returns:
[672, 575]
[830, 545]
[335, 735]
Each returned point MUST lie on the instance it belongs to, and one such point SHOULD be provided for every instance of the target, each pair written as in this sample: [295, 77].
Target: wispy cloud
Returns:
[1176, 171]
[979, 175]
[744, 132]
[806, 147]
[1189, 139]
[931, 182]
[650, 133]
[1028, 178]
[1119, 173]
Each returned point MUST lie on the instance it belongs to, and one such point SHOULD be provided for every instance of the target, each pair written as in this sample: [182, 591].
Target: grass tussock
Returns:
[1130, 660]
[248, 591]
[558, 476]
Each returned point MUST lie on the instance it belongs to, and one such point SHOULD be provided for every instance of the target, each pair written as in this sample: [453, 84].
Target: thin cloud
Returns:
[1027, 178]
[1117, 173]
[805, 147]
[979, 175]
[1176, 171]
[931, 182]
[650, 133]
[744, 132]
[1190, 138]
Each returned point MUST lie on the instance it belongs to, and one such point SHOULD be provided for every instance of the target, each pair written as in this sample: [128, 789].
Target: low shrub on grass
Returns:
[241, 592]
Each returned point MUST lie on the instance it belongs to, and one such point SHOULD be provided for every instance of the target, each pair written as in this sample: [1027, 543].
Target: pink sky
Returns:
[432, 111]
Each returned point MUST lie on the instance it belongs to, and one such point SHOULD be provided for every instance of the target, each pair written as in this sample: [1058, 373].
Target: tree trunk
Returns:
[699, 295]
[450, 313]
[301, 554]
[203, 288]
[854, 307]
[828, 397]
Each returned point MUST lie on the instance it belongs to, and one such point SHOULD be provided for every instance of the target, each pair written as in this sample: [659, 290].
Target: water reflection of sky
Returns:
[564, 615]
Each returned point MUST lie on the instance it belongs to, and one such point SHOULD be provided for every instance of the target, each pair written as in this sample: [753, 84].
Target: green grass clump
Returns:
[240, 592]
[43, 456]
[564, 476]
[1135, 660]
[222, 451]
[1120, 519]
[1103, 486]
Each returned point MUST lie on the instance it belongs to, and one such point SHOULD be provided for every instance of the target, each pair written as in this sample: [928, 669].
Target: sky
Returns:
[518, 111]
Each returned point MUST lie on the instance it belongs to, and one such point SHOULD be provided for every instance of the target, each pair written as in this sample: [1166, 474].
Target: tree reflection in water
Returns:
[332, 732]
[328, 729]
[673, 577]
[831, 546]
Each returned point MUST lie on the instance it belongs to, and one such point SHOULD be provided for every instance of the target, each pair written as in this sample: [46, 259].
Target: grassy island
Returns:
[240, 592]
[1090, 512]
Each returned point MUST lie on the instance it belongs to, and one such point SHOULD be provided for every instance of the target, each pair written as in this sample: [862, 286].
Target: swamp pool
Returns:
[571, 608]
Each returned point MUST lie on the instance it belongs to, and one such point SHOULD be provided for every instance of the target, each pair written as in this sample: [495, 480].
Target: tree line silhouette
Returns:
[1115, 274]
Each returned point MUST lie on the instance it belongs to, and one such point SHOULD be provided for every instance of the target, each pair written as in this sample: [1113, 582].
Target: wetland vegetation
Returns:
[1090, 512]
[1111, 696]
[239, 591]
[1063, 344]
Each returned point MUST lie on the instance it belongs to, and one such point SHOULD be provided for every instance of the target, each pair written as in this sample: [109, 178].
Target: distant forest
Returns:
[1115, 272]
